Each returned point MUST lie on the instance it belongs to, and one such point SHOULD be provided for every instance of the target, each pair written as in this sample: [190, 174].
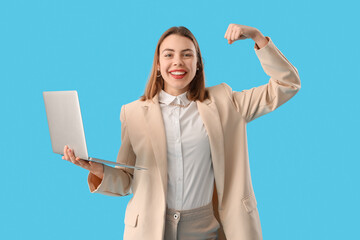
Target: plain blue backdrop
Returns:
[303, 156]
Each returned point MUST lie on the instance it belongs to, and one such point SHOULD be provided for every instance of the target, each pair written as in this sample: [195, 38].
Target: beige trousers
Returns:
[194, 224]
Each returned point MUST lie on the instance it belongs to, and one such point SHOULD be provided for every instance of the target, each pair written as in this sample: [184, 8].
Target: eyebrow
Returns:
[172, 50]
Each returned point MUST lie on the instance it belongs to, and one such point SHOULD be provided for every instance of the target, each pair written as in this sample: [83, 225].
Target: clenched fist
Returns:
[239, 32]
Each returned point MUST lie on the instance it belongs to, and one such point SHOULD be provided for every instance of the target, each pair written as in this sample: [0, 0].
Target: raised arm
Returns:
[284, 80]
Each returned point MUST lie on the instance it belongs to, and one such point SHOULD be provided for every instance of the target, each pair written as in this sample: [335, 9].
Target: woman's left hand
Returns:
[239, 32]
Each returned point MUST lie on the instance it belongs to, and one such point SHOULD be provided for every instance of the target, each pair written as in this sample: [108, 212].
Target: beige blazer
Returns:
[225, 116]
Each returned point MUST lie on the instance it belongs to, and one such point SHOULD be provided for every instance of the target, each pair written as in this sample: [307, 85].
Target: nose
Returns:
[178, 61]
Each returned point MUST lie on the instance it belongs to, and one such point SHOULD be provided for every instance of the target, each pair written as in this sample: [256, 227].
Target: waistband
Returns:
[192, 214]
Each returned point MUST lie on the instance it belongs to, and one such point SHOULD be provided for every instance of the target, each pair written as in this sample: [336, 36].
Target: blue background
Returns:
[303, 156]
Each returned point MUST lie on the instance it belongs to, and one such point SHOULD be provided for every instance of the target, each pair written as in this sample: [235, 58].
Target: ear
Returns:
[158, 67]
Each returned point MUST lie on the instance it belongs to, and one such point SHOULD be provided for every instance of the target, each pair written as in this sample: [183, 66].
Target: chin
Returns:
[181, 86]
[178, 84]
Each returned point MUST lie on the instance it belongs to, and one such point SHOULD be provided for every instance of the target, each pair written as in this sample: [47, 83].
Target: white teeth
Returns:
[178, 73]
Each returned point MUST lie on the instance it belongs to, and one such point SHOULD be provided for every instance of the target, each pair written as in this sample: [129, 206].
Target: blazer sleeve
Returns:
[116, 181]
[284, 83]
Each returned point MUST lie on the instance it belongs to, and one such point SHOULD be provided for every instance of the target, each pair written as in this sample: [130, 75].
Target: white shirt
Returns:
[190, 171]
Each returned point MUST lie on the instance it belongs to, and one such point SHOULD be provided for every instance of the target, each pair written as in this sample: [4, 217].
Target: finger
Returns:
[71, 155]
[225, 35]
[228, 31]
[235, 34]
[65, 153]
[231, 35]
[82, 163]
[78, 162]
[68, 150]
[230, 41]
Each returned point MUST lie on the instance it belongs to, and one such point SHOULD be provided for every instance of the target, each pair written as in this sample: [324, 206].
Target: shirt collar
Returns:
[167, 98]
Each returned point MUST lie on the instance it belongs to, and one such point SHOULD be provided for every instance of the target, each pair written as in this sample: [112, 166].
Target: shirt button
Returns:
[176, 216]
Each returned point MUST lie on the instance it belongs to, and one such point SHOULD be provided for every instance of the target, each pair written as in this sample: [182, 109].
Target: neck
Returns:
[175, 92]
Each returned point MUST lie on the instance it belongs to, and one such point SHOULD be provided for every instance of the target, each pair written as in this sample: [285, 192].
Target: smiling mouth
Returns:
[178, 74]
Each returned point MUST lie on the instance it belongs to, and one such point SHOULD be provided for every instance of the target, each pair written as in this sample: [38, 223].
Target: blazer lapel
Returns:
[210, 116]
[156, 132]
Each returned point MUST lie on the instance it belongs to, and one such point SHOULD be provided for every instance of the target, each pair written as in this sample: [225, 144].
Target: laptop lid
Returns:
[65, 122]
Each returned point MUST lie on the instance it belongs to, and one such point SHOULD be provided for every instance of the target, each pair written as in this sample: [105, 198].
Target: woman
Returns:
[192, 140]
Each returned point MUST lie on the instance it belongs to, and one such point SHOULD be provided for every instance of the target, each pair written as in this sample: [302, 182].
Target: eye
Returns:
[188, 55]
[167, 55]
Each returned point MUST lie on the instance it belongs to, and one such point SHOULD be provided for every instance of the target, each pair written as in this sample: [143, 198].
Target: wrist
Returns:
[260, 40]
[99, 172]
[257, 35]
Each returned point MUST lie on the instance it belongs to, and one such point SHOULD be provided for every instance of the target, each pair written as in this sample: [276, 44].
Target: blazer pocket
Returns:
[249, 203]
[131, 219]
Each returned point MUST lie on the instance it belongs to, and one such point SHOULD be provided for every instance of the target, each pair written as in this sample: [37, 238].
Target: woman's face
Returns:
[177, 63]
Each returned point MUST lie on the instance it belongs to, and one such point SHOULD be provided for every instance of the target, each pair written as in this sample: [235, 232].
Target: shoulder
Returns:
[134, 104]
[219, 90]
[131, 108]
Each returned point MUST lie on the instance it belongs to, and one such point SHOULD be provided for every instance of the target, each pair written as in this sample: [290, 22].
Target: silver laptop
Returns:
[66, 126]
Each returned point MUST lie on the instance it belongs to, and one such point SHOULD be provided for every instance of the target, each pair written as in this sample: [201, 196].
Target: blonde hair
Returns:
[155, 84]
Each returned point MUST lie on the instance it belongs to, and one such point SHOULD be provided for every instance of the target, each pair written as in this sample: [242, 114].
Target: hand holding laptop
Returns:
[66, 128]
[95, 168]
